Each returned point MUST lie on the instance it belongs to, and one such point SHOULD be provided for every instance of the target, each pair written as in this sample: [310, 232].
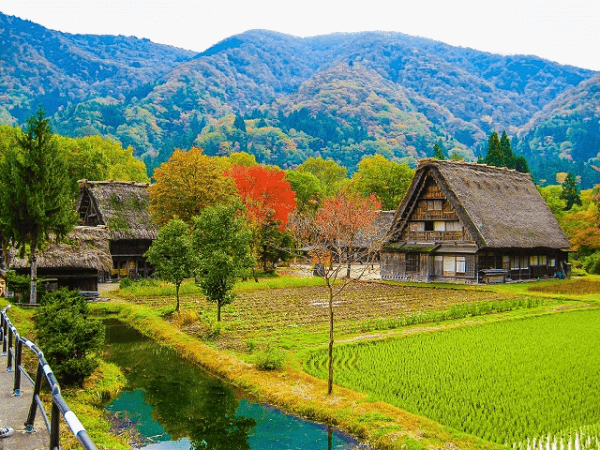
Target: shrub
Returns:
[213, 327]
[67, 337]
[125, 283]
[270, 359]
[592, 263]
[19, 284]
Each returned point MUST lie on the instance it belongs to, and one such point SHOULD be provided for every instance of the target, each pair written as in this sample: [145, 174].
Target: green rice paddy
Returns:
[531, 383]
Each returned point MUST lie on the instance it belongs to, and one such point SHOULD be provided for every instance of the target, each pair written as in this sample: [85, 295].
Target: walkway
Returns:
[14, 412]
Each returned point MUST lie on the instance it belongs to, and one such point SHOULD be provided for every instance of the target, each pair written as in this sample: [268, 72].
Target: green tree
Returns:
[507, 154]
[36, 203]
[67, 336]
[330, 173]
[239, 123]
[521, 164]
[570, 191]
[387, 180]
[172, 254]
[438, 153]
[494, 156]
[222, 244]
[310, 191]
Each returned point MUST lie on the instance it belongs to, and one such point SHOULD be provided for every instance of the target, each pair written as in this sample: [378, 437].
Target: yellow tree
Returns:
[186, 184]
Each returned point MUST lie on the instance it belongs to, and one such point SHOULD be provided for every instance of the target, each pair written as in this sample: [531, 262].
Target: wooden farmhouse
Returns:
[473, 223]
[77, 263]
[122, 208]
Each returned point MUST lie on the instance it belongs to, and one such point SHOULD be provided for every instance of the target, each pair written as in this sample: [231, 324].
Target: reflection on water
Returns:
[176, 405]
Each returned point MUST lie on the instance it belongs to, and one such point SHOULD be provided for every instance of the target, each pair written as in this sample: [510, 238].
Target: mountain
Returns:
[341, 96]
[57, 69]
[565, 135]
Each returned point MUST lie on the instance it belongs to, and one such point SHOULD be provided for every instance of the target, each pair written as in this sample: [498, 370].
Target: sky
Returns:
[567, 32]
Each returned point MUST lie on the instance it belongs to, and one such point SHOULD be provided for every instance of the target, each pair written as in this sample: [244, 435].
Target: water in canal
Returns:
[176, 405]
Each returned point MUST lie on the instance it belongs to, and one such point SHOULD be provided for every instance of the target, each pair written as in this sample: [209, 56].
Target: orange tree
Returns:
[269, 200]
[342, 233]
[186, 184]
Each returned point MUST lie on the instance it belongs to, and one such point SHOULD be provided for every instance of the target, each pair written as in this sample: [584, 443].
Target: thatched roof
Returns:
[501, 208]
[84, 248]
[380, 227]
[121, 206]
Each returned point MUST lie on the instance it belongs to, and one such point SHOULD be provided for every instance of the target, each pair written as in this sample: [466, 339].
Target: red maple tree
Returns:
[265, 192]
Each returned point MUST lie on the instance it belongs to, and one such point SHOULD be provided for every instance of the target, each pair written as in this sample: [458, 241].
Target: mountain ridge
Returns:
[422, 92]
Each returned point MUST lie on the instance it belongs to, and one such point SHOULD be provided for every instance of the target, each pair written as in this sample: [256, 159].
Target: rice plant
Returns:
[523, 383]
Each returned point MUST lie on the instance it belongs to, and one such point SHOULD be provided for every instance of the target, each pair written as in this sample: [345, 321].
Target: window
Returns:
[435, 205]
[449, 265]
[543, 260]
[416, 226]
[552, 262]
[524, 262]
[461, 264]
[428, 226]
[412, 262]
[514, 262]
[455, 225]
[533, 260]
[439, 226]
[506, 262]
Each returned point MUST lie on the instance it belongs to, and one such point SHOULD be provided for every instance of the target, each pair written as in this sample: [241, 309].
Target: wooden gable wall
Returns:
[433, 218]
[89, 215]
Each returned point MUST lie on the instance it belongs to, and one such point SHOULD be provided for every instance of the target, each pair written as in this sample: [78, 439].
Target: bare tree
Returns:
[342, 233]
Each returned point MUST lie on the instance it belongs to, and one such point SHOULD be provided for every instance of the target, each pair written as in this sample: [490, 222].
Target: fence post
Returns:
[54, 426]
[36, 392]
[18, 357]
[9, 353]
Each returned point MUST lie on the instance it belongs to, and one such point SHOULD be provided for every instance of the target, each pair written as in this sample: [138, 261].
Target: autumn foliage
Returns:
[186, 184]
[265, 192]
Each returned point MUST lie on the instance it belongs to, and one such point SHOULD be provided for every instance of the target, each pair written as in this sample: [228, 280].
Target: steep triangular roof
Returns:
[501, 208]
[120, 206]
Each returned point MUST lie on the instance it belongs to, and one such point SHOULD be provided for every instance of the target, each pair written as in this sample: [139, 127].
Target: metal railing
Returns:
[12, 347]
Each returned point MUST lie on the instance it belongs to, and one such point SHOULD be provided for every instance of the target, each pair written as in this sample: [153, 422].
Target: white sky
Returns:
[565, 31]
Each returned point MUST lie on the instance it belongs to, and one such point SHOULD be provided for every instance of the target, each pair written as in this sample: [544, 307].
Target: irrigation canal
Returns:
[175, 405]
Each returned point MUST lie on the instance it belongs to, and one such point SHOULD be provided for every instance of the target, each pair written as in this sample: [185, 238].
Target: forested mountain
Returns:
[341, 96]
[56, 69]
[565, 135]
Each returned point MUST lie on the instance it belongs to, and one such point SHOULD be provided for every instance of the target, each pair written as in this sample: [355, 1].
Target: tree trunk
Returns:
[254, 274]
[330, 378]
[177, 295]
[33, 293]
[218, 311]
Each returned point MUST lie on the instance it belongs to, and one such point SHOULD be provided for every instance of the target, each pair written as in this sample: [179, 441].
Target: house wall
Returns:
[128, 259]
[468, 268]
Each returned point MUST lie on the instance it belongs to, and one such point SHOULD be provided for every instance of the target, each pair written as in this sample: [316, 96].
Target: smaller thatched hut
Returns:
[123, 208]
[78, 263]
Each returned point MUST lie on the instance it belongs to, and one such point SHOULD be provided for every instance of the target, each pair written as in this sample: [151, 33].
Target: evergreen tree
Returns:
[494, 156]
[507, 153]
[35, 200]
[570, 191]
[521, 164]
[239, 123]
[438, 153]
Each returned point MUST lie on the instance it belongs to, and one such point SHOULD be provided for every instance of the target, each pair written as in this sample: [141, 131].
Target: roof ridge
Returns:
[112, 182]
[433, 161]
